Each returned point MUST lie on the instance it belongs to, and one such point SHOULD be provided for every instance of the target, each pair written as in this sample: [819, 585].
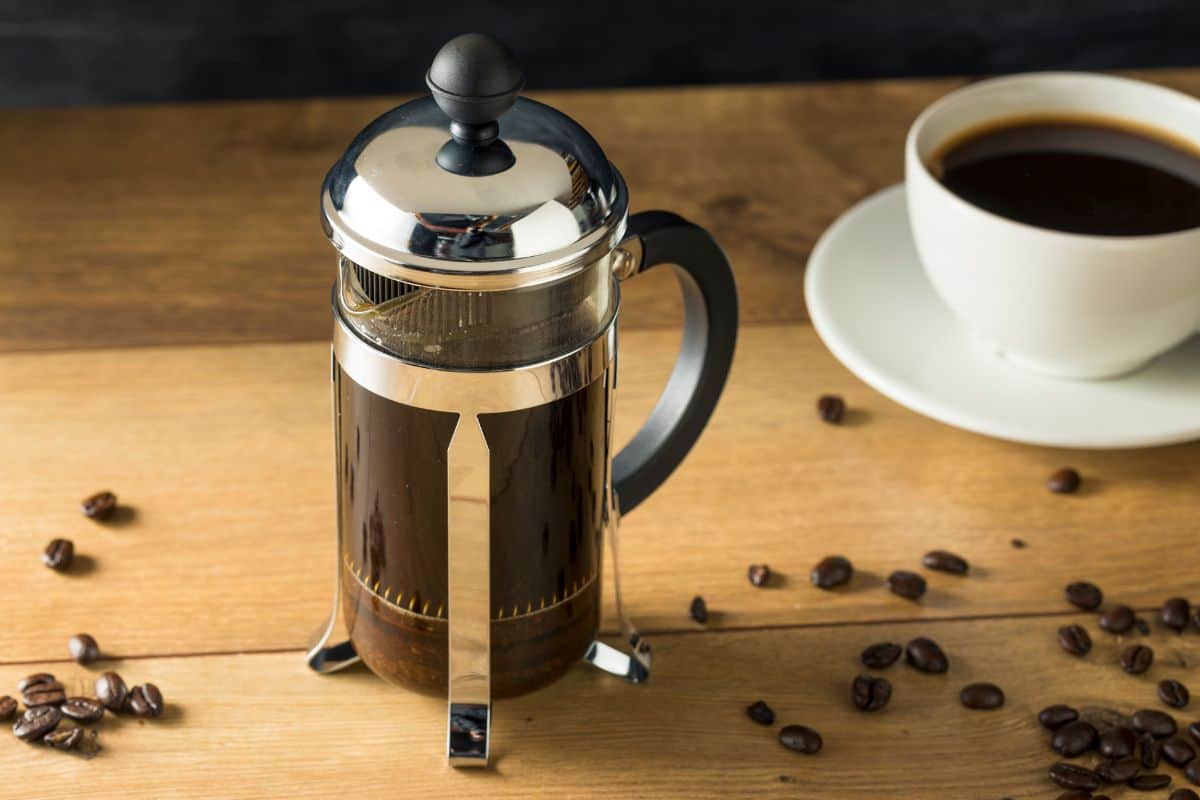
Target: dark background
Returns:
[86, 52]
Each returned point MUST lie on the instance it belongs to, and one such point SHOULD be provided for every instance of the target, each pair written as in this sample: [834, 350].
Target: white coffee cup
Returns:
[1062, 304]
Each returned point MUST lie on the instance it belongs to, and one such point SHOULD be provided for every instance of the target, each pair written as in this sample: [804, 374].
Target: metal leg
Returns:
[633, 666]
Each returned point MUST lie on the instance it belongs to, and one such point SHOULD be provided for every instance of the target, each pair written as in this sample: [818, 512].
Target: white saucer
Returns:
[874, 308]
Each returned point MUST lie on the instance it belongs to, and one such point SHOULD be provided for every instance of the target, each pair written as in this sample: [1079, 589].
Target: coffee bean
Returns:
[1150, 752]
[66, 739]
[1082, 594]
[1054, 717]
[1192, 771]
[831, 408]
[8, 707]
[761, 713]
[36, 723]
[925, 655]
[1150, 782]
[111, 691]
[870, 693]
[699, 609]
[146, 700]
[1173, 693]
[1117, 743]
[1075, 640]
[1074, 738]
[981, 696]
[832, 571]
[1174, 613]
[1142, 626]
[908, 585]
[881, 655]
[30, 681]
[59, 554]
[45, 697]
[1194, 730]
[1064, 481]
[99, 505]
[83, 709]
[1157, 723]
[944, 561]
[1117, 619]
[1196, 616]
[1137, 658]
[759, 574]
[1018, 544]
[800, 738]
[1117, 770]
[1073, 776]
[83, 648]
[1076, 794]
[1184, 794]
[1177, 752]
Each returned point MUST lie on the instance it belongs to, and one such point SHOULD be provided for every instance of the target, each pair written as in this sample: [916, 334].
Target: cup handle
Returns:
[710, 321]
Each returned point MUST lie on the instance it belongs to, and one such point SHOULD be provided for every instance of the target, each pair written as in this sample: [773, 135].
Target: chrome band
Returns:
[464, 392]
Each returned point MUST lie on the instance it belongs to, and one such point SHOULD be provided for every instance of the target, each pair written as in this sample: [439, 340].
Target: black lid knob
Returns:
[474, 79]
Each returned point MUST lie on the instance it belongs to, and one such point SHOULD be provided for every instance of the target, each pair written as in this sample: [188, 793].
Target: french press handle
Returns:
[710, 320]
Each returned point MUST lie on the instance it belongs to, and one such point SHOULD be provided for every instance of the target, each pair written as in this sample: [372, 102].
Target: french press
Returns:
[482, 240]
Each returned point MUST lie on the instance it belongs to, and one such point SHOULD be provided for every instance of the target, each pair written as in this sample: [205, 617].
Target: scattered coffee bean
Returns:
[1173, 693]
[1117, 619]
[1117, 770]
[1084, 595]
[761, 713]
[8, 707]
[99, 506]
[1076, 794]
[1073, 776]
[36, 723]
[1074, 738]
[145, 700]
[37, 678]
[1150, 752]
[1018, 544]
[800, 738]
[111, 691]
[925, 655]
[1184, 794]
[881, 655]
[1192, 771]
[1137, 658]
[1054, 717]
[1177, 752]
[944, 561]
[66, 739]
[1174, 613]
[1196, 616]
[981, 696]
[1064, 481]
[1194, 730]
[831, 408]
[908, 585]
[1117, 743]
[1075, 640]
[1149, 782]
[83, 709]
[59, 554]
[699, 609]
[1158, 724]
[1142, 626]
[870, 693]
[44, 697]
[832, 571]
[83, 648]
[759, 574]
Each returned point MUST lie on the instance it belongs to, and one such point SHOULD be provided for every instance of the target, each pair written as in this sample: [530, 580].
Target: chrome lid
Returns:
[473, 187]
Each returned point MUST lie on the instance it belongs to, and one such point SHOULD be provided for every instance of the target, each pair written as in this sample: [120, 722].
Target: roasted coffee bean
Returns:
[8, 707]
[1173, 693]
[1117, 770]
[870, 693]
[1076, 794]
[111, 691]
[1073, 776]
[1174, 613]
[800, 738]
[1196, 616]
[83, 709]
[1064, 481]
[925, 655]
[99, 505]
[1158, 724]
[1082, 594]
[944, 561]
[1117, 619]
[1149, 752]
[1117, 743]
[1149, 782]
[981, 696]
[1184, 794]
[1137, 658]
[145, 700]
[759, 574]
[881, 655]
[1075, 640]
[908, 585]
[1074, 738]
[36, 723]
[1054, 717]
[761, 713]
[1177, 751]
[699, 609]
[30, 681]
[44, 697]
[1194, 729]
[1192, 771]
[832, 571]
[66, 739]
[83, 648]
[831, 408]
[59, 554]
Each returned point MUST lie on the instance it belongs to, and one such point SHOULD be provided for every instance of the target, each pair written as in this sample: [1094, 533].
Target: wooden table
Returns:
[164, 334]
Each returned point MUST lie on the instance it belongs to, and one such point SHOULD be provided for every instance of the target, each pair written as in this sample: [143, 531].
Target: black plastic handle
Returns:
[710, 321]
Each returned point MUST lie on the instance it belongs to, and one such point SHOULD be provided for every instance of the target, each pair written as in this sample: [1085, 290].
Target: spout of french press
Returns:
[474, 80]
